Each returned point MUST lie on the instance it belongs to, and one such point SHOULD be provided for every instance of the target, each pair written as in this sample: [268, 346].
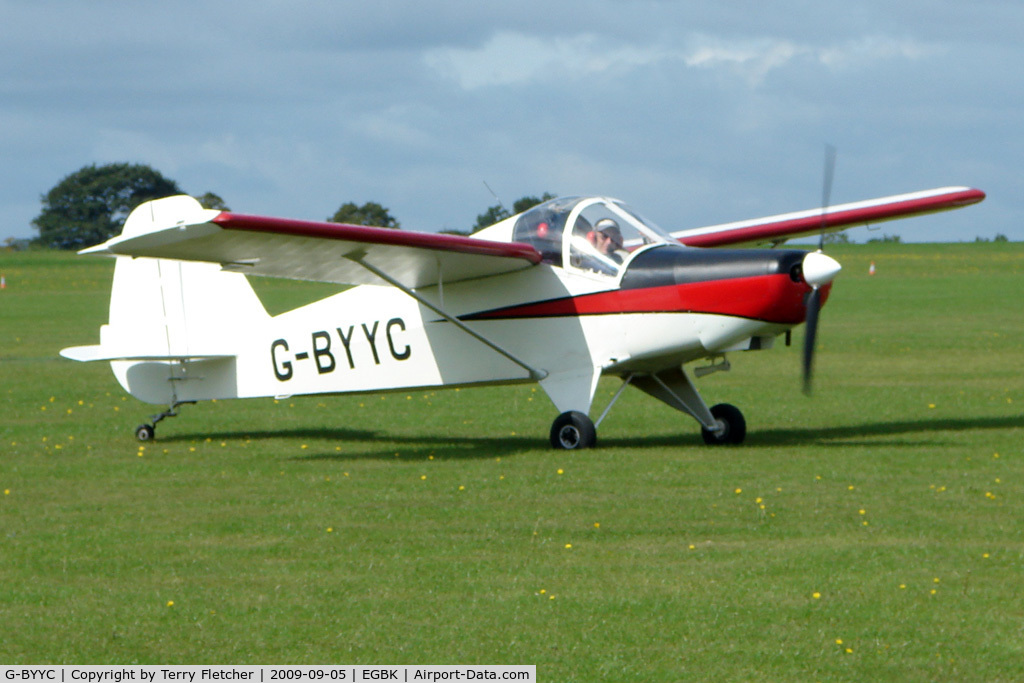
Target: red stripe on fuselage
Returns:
[771, 298]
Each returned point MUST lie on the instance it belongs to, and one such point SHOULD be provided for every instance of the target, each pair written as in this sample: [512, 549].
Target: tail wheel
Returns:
[734, 427]
[573, 430]
[145, 432]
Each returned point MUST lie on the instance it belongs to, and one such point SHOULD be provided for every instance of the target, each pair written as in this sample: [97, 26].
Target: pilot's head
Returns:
[608, 234]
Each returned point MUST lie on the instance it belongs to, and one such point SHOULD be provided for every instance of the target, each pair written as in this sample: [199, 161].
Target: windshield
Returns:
[591, 234]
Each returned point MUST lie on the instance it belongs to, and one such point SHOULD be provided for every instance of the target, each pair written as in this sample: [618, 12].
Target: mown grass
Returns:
[438, 527]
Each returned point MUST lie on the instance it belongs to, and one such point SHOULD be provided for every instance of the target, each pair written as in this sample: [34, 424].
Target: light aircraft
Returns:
[568, 291]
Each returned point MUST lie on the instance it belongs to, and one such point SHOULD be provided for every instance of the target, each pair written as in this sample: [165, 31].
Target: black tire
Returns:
[735, 426]
[145, 432]
[573, 430]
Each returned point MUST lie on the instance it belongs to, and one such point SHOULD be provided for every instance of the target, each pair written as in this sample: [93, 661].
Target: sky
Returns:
[694, 113]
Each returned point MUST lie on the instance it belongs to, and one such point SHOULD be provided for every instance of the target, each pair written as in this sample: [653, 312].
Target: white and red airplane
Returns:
[570, 290]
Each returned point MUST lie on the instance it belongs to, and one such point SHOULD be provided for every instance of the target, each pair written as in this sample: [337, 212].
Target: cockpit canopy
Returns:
[592, 234]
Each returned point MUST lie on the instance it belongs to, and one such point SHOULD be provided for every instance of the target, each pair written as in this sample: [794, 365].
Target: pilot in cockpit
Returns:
[608, 239]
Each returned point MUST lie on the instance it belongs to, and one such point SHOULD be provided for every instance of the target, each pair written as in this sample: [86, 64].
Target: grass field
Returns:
[870, 533]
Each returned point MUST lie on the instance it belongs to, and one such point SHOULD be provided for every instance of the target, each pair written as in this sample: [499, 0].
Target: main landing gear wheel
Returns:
[573, 430]
[734, 427]
[145, 432]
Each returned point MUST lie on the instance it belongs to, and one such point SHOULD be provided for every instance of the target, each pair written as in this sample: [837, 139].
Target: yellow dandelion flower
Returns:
[561, 471]
[170, 603]
[862, 511]
[816, 596]
[839, 641]
[739, 491]
[330, 529]
[462, 488]
[7, 492]
[423, 476]
[568, 545]
[597, 525]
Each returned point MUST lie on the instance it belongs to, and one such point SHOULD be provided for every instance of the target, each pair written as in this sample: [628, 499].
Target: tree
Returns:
[89, 206]
[837, 238]
[370, 213]
[526, 203]
[492, 215]
[209, 200]
[499, 213]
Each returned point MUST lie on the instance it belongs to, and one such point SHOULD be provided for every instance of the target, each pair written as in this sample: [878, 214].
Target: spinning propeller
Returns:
[818, 270]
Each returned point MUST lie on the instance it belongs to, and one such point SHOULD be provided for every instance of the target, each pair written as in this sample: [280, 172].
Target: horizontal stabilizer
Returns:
[86, 354]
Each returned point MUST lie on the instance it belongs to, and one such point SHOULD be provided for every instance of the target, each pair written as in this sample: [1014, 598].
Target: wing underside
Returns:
[178, 228]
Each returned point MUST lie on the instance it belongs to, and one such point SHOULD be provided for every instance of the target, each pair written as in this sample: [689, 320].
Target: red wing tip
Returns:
[973, 196]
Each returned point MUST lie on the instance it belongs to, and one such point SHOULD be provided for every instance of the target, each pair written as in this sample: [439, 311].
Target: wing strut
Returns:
[535, 373]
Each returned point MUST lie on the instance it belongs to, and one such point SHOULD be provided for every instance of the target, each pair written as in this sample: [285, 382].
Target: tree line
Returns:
[90, 205]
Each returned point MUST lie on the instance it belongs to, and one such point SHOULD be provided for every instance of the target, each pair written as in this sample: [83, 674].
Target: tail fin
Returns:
[166, 315]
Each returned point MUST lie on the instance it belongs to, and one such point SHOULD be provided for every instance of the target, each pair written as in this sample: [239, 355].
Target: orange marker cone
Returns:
[871, 268]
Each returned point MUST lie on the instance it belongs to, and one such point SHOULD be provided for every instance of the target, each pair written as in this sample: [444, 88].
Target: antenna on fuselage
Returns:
[495, 195]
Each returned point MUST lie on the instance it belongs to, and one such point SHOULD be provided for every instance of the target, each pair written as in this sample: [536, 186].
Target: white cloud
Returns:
[509, 59]
[516, 59]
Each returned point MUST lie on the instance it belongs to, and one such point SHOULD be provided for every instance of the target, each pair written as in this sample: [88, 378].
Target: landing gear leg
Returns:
[721, 425]
[147, 432]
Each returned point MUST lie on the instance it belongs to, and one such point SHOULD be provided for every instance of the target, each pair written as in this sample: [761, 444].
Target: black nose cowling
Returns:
[672, 265]
[762, 284]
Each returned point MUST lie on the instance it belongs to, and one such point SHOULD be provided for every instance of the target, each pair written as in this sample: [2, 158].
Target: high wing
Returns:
[179, 228]
[832, 219]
